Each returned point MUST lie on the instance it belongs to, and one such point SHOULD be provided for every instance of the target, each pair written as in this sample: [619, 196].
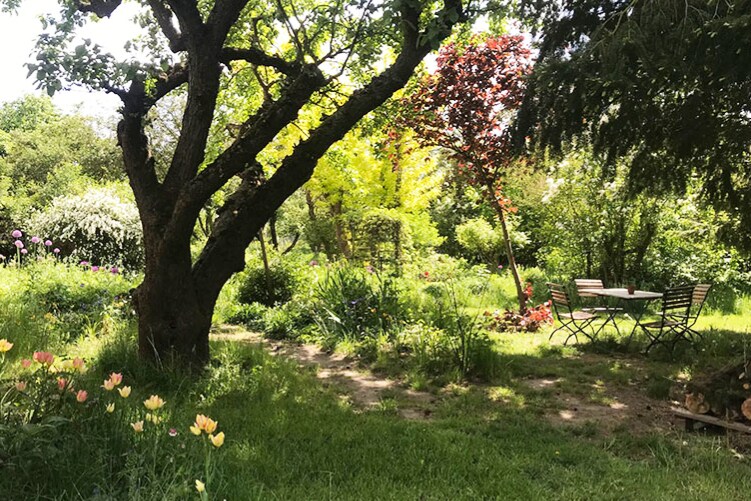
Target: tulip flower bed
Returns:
[53, 399]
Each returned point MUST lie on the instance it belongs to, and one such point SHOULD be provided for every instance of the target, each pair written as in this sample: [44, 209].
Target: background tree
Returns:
[198, 47]
[467, 107]
[663, 84]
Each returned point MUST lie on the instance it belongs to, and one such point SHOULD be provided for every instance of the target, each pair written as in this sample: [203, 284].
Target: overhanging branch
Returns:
[260, 58]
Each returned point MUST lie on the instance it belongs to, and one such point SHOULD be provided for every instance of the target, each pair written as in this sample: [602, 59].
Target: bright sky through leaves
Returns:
[18, 33]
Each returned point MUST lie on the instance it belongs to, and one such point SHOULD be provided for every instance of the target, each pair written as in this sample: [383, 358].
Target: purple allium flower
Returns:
[48, 243]
[17, 234]
[18, 244]
[84, 263]
[24, 251]
[35, 240]
[313, 263]
[95, 268]
[56, 250]
[114, 270]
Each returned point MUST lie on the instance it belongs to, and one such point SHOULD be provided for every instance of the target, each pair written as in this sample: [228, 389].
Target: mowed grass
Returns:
[290, 438]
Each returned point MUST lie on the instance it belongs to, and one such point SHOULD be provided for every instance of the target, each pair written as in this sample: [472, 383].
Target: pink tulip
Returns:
[81, 396]
[61, 383]
[44, 357]
[26, 363]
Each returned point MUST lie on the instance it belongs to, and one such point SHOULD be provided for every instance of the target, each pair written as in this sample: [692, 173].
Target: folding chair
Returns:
[697, 304]
[583, 288]
[673, 322]
[573, 321]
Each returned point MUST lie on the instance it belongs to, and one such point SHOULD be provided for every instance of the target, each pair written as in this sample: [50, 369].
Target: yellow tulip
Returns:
[124, 391]
[200, 486]
[5, 346]
[153, 403]
[195, 430]
[218, 439]
[205, 423]
[137, 426]
[110, 408]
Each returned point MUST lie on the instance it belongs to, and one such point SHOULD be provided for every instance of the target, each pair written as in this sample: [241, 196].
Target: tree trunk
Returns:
[520, 296]
[173, 319]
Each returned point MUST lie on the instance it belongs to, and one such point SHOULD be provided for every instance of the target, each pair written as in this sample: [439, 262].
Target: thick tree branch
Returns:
[163, 16]
[223, 16]
[260, 58]
[139, 164]
[191, 24]
[102, 8]
[240, 157]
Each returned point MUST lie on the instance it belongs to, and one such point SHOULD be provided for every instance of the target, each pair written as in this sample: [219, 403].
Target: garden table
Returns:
[623, 297]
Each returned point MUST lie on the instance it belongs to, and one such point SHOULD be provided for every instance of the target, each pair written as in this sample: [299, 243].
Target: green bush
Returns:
[251, 315]
[269, 289]
[349, 303]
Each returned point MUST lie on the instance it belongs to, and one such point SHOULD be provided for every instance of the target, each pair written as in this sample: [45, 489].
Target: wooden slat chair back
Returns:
[676, 306]
[701, 291]
[584, 287]
[573, 321]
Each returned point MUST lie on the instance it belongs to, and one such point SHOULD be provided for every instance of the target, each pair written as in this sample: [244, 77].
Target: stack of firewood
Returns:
[725, 393]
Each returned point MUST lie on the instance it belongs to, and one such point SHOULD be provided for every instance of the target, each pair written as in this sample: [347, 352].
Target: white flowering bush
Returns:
[98, 227]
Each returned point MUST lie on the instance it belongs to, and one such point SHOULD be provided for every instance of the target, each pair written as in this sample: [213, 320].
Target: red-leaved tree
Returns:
[467, 107]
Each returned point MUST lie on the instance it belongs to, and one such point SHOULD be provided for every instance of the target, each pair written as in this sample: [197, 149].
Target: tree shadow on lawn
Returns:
[289, 438]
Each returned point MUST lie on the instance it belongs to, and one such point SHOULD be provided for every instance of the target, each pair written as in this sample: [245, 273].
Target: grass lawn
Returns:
[293, 439]
[533, 432]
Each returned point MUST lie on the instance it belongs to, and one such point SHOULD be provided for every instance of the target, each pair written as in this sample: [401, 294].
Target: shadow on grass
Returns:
[289, 438]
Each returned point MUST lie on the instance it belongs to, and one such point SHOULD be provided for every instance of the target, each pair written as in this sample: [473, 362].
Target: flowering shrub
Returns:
[533, 318]
[97, 226]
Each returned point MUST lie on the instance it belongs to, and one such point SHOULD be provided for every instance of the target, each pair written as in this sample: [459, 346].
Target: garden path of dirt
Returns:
[628, 408]
[365, 390]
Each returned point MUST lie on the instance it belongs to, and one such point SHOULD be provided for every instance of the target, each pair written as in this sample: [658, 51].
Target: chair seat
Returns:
[602, 309]
[578, 315]
[659, 324]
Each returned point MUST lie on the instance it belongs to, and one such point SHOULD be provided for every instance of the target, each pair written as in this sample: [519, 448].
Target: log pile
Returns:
[725, 393]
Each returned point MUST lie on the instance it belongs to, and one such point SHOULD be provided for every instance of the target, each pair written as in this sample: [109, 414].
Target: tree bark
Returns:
[520, 296]
[173, 317]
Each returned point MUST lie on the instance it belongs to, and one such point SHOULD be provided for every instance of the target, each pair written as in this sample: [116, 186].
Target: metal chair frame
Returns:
[573, 321]
[583, 288]
[674, 318]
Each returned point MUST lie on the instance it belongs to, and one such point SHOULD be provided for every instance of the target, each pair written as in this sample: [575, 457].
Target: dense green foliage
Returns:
[661, 84]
